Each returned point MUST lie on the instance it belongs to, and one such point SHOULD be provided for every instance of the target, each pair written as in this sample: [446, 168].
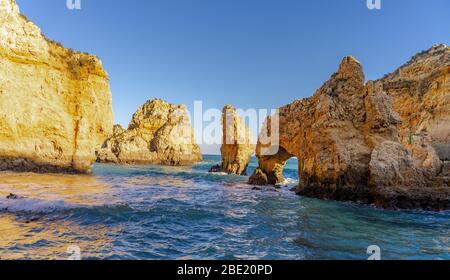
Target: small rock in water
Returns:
[304, 242]
[216, 169]
[32, 220]
[266, 188]
[12, 196]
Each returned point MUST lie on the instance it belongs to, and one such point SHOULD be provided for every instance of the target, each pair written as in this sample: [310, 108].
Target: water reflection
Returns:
[30, 230]
[47, 239]
[152, 212]
[85, 190]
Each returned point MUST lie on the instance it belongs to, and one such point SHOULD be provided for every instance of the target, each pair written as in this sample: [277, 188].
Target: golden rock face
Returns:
[421, 94]
[159, 133]
[237, 146]
[55, 103]
[351, 137]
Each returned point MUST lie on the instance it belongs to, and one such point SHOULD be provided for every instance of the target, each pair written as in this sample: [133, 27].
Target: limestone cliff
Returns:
[421, 93]
[237, 146]
[348, 140]
[159, 133]
[55, 103]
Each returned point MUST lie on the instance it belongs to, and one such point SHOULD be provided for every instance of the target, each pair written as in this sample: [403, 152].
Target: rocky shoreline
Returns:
[383, 142]
[371, 142]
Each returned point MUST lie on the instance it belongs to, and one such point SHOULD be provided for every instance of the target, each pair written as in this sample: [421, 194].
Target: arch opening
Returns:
[271, 167]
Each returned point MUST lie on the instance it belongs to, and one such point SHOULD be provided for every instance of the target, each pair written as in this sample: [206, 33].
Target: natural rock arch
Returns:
[270, 169]
[348, 138]
[321, 131]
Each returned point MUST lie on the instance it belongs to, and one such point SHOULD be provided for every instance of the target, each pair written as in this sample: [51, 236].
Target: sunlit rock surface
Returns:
[159, 133]
[237, 146]
[421, 93]
[375, 142]
[55, 103]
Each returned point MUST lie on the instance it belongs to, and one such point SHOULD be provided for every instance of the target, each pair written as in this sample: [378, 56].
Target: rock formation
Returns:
[159, 133]
[421, 93]
[349, 138]
[55, 103]
[237, 146]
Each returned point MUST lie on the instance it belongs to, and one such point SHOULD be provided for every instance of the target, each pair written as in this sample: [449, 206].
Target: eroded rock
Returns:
[12, 196]
[159, 133]
[349, 137]
[421, 95]
[237, 146]
[55, 103]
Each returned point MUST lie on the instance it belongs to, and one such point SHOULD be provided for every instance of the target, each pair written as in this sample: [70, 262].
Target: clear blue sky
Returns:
[250, 53]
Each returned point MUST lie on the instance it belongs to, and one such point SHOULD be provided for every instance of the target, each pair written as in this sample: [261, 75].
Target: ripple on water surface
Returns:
[155, 212]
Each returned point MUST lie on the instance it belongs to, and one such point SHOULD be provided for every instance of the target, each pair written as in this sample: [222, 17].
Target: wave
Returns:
[33, 205]
[38, 206]
[289, 182]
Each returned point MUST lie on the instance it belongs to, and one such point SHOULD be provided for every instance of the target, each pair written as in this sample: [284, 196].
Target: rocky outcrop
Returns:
[55, 103]
[421, 94]
[399, 181]
[237, 146]
[159, 133]
[349, 141]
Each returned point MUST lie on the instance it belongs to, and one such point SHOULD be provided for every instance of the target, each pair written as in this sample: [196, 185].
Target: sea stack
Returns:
[383, 142]
[159, 133]
[237, 146]
[55, 103]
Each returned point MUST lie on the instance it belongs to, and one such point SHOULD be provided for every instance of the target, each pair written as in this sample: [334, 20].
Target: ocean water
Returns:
[158, 212]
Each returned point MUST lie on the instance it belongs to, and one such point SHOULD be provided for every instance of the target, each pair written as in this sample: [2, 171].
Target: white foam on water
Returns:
[34, 205]
[289, 182]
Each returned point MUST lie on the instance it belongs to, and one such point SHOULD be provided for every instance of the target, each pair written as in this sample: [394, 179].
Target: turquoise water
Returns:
[155, 212]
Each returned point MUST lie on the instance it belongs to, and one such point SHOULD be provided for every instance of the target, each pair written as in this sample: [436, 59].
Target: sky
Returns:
[249, 53]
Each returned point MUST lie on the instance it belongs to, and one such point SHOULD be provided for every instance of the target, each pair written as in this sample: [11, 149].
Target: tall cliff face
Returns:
[55, 103]
[420, 90]
[237, 146]
[348, 141]
[159, 133]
